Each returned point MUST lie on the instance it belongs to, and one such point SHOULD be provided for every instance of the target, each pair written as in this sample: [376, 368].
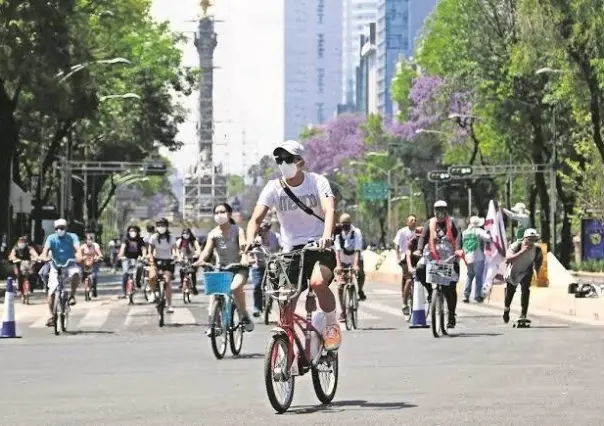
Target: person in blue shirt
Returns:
[62, 247]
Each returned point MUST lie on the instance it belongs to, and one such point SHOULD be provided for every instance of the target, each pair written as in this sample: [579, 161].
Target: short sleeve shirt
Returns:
[351, 242]
[298, 227]
[163, 246]
[62, 248]
[402, 238]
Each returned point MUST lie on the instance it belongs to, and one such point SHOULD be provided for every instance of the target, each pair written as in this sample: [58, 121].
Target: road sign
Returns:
[461, 170]
[374, 191]
[439, 176]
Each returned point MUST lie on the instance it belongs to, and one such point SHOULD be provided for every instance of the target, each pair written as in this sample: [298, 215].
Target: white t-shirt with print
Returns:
[403, 236]
[298, 227]
[355, 244]
[163, 247]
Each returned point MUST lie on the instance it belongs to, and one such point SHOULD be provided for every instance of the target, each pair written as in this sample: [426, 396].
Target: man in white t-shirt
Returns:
[401, 241]
[299, 227]
[349, 247]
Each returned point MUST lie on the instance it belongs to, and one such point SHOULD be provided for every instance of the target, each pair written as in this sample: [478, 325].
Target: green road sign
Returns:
[374, 191]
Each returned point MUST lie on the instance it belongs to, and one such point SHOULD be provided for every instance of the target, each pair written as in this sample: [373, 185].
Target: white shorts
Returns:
[53, 277]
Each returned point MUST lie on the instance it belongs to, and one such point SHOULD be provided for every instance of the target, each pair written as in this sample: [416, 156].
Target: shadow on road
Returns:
[377, 329]
[340, 406]
[475, 334]
[248, 356]
[88, 332]
[178, 325]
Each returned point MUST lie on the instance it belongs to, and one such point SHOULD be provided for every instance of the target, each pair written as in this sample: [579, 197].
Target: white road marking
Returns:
[140, 315]
[95, 318]
[181, 315]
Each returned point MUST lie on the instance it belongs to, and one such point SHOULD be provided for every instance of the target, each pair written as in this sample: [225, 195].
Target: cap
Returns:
[440, 204]
[518, 208]
[60, 223]
[290, 146]
[530, 233]
[476, 221]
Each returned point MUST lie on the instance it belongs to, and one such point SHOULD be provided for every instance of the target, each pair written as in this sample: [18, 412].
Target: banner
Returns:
[592, 239]
[540, 278]
[495, 251]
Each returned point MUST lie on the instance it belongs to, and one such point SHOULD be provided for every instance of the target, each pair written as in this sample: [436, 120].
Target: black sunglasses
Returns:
[287, 159]
[60, 228]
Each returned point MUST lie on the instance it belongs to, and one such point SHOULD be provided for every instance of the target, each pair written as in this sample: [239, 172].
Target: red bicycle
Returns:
[22, 270]
[286, 357]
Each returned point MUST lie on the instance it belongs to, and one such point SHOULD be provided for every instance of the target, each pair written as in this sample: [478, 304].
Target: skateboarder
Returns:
[524, 257]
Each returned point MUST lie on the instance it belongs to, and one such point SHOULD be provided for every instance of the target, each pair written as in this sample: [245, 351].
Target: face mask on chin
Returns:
[288, 170]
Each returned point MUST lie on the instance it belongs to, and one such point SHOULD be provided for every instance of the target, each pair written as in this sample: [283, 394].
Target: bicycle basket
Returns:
[217, 282]
[441, 273]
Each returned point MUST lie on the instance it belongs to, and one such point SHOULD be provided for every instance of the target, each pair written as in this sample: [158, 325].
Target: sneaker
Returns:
[466, 300]
[406, 310]
[170, 310]
[452, 321]
[256, 313]
[479, 300]
[332, 337]
[342, 317]
[195, 291]
[50, 322]
[506, 315]
[209, 332]
[72, 301]
[248, 324]
[362, 296]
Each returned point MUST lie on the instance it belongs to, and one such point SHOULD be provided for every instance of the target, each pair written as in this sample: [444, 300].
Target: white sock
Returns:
[331, 317]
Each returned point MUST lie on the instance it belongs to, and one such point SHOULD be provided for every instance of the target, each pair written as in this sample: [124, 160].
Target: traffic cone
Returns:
[9, 325]
[418, 315]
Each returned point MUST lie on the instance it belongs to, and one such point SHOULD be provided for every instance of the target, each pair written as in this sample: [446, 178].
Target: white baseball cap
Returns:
[440, 204]
[476, 221]
[530, 233]
[290, 146]
[60, 223]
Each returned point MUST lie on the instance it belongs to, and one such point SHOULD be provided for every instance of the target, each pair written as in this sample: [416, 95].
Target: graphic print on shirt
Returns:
[287, 204]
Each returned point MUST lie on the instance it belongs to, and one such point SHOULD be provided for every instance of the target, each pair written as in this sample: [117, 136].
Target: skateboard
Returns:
[522, 323]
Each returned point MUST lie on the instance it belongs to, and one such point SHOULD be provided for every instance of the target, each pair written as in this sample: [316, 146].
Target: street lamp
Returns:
[548, 70]
[84, 65]
[124, 96]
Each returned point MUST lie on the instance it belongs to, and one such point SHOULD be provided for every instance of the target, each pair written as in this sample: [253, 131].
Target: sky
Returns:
[248, 84]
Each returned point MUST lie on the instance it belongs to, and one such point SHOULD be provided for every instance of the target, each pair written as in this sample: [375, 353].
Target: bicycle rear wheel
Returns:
[280, 384]
[327, 368]
[235, 332]
[354, 306]
[218, 331]
[437, 313]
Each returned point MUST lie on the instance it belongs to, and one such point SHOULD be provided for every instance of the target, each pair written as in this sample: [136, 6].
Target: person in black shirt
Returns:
[188, 246]
[132, 248]
[23, 255]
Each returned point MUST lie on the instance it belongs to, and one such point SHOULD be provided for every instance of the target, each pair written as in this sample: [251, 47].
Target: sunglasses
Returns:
[287, 159]
[60, 228]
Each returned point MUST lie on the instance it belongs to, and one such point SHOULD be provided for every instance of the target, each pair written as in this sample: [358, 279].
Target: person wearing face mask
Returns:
[188, 247]
[91, 254]
[401, 241]
[305, 207]
[23, 255]
[162, 248]
[348, 247]
[62, 247]
[440, 240]
[132, 249]
[524, 257]
[225, 241]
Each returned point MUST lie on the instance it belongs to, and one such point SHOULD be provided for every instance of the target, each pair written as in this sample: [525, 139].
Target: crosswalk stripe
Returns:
[181, 316]
[382, 308]
[362, 315]
[385, 292]
[140, 315]
[40, 322]
[95, 318]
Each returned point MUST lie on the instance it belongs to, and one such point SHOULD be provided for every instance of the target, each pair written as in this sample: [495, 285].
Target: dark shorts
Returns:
[406, 273]
[165, 265]
[324, 258]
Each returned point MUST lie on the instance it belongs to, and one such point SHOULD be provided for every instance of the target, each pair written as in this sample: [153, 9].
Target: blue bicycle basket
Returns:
[217, 282]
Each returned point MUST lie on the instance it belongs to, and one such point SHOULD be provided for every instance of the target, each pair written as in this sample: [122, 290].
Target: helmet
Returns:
[440, 204]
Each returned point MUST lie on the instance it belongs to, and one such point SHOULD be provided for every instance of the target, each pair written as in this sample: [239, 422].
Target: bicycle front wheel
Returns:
[353, 306]
[236, 331]
[437, 313]
[325, 377]
[280, 384]
[218, 336]
[346, 305]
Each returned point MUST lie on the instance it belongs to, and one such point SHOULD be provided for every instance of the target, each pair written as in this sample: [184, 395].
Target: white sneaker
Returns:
[170, 310]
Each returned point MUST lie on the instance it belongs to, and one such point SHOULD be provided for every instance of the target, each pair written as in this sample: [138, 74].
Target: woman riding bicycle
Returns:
[188, 244]
[90, 253]
[132, 249]
[162, 252]
[226, 242]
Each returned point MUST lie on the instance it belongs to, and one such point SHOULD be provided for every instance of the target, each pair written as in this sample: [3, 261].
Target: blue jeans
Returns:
[257, 275]
[475, 272]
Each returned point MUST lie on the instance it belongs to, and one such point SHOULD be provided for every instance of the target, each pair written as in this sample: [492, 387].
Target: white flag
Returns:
[495, 251]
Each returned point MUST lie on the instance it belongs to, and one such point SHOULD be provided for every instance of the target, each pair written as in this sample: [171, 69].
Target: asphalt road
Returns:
[118, 367]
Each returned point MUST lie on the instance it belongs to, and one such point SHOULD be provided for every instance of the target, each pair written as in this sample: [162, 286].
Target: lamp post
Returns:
[79, 67]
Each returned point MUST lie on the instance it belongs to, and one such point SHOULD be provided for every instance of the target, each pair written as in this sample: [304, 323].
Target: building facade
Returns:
[313, 63]
[399, 23]
[357, 15]
[366, 71]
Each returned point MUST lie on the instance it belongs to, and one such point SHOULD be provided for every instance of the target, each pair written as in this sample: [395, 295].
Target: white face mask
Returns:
[221, 219]
[61, 232]
[288, 170]
[161, 229]
[132, 234]
[185, 236]
[21, 245]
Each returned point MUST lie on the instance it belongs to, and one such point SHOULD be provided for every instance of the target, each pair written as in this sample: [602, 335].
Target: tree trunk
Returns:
[9, 139]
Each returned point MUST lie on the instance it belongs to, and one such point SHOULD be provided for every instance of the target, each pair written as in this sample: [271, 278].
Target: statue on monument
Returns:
[205, 5]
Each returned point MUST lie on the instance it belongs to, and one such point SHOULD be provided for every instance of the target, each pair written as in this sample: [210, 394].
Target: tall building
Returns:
[313, 63]
[366, 73]
[398, 25]
[357, 15]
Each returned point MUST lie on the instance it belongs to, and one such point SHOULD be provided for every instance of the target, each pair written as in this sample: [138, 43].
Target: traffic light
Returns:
[438, 176]
[155, 169]
[460, 170]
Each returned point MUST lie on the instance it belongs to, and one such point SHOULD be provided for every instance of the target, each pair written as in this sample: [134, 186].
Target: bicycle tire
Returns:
[345, 304]
[55, 314]
[354, 306]
[437, 315]
[25, 295]
[64, 313]
[235, 342]
[267, 309]
[279, 406]
[185, 293]
[323, 396]
[86, 290]
[218, 322]
[161, 303]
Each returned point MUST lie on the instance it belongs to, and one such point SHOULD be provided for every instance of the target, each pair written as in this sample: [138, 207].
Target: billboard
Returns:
[592, 239]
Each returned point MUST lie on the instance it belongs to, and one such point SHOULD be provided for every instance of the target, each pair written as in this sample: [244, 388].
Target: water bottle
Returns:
[318, 322]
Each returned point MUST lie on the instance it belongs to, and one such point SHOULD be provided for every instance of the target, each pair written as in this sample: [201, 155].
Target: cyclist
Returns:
[63, 247]
[288, 195]
[348, 248]
[524, 257]
[440, 240]
[131, 249]
[162, 247]
[225, 241]
[189, 244]
[23, 251]
[90, 253]
[401, 242]
[270, 240]
[416, 265]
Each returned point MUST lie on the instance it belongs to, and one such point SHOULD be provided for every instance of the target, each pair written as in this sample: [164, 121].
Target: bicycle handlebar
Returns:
[61, 266]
